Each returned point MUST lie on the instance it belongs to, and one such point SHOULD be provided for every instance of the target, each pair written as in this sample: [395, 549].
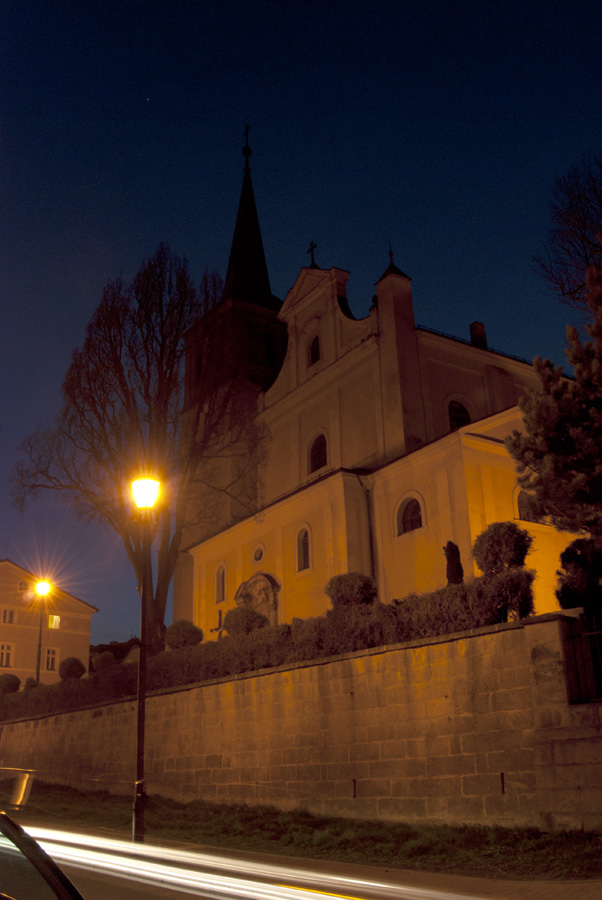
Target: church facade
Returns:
[385, 441]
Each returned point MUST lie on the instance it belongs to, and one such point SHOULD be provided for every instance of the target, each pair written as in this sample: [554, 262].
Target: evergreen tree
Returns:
[559, 457]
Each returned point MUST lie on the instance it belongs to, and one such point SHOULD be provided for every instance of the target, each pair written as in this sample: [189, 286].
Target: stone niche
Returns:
[260, 592]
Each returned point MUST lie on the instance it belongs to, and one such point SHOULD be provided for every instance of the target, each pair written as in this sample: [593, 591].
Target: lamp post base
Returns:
[138, 826]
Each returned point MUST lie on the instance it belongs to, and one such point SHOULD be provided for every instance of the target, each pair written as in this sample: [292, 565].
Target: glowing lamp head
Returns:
[145, 492]
[42, 588]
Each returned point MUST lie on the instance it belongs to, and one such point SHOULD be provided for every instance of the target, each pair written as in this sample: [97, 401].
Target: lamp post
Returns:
[41, 589]
[145, 492]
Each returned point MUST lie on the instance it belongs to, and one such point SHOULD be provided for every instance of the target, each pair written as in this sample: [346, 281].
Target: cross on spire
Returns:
[313, 246]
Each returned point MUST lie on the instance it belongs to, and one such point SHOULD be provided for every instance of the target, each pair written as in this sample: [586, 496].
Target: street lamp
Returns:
[41, 589]
[145, 492]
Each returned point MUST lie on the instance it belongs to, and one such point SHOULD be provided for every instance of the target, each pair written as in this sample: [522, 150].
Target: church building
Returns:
[385, 441]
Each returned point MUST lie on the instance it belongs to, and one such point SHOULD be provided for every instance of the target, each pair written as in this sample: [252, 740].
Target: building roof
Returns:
[392, 269]
[58, 590]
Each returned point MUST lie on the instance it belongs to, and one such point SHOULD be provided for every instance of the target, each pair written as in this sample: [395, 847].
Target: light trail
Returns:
[209, 875]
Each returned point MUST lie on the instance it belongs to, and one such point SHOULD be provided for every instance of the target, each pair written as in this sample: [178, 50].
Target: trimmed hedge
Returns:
[9, 683]
[243, 620]
[344, 629]
[183, 633]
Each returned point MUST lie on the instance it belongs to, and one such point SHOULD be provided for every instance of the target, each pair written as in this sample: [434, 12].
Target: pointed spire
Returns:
[247, 276]
[392, 268]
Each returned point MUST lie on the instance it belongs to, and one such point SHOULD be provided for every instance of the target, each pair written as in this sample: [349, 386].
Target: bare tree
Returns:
[572, 240]
[125, 409]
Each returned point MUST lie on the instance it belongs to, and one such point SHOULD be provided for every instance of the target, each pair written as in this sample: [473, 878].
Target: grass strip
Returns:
[489, 852]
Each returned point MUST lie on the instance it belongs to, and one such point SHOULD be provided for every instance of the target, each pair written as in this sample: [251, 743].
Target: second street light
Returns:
[145, 492]
[41, 589]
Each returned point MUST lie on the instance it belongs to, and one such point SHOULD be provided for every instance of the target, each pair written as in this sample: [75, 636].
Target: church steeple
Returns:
[247, 276]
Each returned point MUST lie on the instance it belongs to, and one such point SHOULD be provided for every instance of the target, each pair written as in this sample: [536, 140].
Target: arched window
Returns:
[409, 516]
[318, 455]
[314, 351]
[303, 550]
[524, 513]
[458, 415]
[220, 584]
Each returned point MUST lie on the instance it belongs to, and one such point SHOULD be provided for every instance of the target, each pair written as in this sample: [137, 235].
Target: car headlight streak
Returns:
[203, 874]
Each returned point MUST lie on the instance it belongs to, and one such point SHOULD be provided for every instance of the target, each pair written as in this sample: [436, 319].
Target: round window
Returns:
[258, 554]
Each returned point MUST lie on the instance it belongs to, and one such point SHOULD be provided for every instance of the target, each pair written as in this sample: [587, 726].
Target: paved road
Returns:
[270, 877]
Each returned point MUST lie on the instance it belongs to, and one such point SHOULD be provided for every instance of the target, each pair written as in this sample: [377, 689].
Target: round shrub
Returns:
[72, 667]
[511, 593]
[9, 683]
[580, 576]
[503, 545]
[243, 620]
[183, 633]
[30, 684]
[350, 589]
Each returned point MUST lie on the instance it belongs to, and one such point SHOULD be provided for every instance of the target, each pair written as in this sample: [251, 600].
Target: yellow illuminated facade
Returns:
[65, 625]
[386, 441]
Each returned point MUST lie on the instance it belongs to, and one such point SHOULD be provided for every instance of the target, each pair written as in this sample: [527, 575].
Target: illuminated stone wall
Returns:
[475, 729]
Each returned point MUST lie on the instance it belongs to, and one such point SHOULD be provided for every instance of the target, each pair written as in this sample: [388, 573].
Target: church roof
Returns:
[247, 276]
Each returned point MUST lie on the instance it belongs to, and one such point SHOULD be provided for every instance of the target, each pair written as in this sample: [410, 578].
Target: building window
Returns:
[8, 617]
[50, 660]
[54, 622]
[314, 351]
[409, 516]
[303, 550]
[458, 415]
[220, 584]
[258, 553]
[318, 455]
[23, 585]
[524, 513]
[6, 656]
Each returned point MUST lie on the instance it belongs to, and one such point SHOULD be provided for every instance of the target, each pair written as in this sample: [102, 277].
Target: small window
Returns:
[318, 455]
[314, 351]
[6, 656]
[303, 550]
[524, 513]
[8, 617]
[23, 585]
[409, 516]
[50, 660]
[54, 622]
[458, 415]
[220, 584]
[258, 553]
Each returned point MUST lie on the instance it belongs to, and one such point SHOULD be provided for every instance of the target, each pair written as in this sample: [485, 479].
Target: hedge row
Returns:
[344, 629]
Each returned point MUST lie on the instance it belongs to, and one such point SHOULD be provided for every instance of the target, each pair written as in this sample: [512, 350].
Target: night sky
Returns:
[436, 127]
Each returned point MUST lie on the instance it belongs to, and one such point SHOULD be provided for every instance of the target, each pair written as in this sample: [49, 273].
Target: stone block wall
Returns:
[474, 728]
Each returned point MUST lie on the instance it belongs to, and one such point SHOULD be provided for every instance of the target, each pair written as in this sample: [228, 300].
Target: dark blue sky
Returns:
[436, 125]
